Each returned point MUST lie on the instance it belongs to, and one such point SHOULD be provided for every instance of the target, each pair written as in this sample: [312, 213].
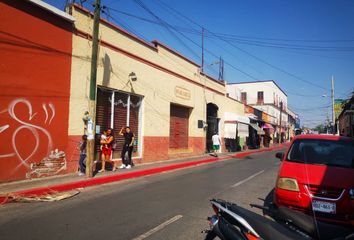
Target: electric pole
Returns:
[333, 113]
[221, 69]
[281, 109]
[92, 101]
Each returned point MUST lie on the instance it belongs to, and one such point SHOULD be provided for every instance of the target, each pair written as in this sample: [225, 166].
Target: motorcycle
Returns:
[232, 222]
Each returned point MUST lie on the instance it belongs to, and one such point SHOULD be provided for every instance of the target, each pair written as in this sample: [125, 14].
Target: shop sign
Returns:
[265, 117]
[183, 93]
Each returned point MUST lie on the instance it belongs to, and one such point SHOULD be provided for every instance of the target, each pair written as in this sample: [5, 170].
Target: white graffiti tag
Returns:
[35, 130]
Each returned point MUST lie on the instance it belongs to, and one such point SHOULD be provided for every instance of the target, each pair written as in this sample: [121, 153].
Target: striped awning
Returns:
[257, 128]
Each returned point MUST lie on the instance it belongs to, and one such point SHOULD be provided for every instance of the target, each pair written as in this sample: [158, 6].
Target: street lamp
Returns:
[132, 76]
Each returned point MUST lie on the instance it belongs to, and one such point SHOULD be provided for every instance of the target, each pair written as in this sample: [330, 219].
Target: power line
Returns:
[168, 26]
[194, 31]
[244, 51]
[180, 30]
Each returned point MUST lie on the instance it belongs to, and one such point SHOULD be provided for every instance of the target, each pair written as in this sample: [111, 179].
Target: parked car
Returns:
[317, 177]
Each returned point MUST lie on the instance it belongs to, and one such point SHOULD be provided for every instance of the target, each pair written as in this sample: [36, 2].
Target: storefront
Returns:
[269, 134]
[116, 109]
[256, 133]
[236, 131]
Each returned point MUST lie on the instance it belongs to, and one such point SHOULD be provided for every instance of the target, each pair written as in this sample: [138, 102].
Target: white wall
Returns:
[270, 91]
[271, 94]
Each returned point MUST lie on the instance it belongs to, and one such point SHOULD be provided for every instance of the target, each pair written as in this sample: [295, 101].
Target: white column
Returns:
[112, 109]
[128, 110]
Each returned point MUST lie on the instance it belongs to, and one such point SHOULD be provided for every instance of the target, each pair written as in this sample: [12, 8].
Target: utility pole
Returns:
[281, 109]
[202, 49]
[92, 101]
[333, 113]
[221, 69]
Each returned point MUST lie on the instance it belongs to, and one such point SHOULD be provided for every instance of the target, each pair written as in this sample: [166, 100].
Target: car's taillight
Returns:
[289, 184]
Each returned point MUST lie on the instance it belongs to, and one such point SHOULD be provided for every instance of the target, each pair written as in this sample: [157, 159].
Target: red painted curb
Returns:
[118, 177]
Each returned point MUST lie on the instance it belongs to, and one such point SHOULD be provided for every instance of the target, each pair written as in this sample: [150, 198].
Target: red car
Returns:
[317, 177]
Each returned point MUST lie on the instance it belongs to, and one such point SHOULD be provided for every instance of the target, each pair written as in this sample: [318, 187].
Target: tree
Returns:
[320, 128]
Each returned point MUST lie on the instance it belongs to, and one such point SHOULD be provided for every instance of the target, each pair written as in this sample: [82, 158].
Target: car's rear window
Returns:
[320, 151]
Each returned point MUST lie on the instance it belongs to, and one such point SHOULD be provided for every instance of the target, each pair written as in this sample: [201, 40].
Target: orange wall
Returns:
[35, 82]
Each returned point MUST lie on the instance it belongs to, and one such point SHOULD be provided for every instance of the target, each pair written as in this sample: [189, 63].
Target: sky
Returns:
[299, 44]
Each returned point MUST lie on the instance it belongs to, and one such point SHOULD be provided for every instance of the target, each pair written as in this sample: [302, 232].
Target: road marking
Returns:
[277, 164]
[247, 179]
[158, 228]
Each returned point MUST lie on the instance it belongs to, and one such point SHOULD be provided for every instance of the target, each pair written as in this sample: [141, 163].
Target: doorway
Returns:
[213, 125]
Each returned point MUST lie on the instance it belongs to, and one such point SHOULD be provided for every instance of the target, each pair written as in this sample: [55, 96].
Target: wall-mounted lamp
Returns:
[132, 76]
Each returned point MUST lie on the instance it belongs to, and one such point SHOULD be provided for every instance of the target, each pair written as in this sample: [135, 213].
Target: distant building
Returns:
[346, 118]
[268, 97]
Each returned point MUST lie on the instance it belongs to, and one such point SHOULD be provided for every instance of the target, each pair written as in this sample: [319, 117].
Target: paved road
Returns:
[172, 205]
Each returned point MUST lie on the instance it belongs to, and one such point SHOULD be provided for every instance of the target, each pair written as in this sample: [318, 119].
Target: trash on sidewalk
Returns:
[49, 166]
[49, 197]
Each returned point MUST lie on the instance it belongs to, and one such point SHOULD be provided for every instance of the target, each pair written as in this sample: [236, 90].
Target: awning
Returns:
[257, 128]
[242, 130]
[232, 117]
[233, 121]
[268, 126]
[230, 130]
[251, 116]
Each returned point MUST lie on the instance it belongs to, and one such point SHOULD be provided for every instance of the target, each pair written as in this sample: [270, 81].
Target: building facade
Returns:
[268, 97]
[35, 70]
[171, 106]
[346, 118]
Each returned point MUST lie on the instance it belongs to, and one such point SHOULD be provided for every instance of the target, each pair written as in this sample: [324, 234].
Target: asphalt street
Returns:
[171, 205]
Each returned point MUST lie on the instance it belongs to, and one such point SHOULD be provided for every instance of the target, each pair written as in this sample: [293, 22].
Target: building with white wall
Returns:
[266, 96]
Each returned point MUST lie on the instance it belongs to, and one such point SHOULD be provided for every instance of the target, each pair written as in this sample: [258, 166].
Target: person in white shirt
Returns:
[216, 143]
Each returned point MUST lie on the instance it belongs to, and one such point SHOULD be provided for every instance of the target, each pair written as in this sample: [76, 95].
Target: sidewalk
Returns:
[37, 187]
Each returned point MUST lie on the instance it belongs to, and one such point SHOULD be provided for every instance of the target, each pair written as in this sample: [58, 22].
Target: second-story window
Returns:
[244, 97]
[260, 99]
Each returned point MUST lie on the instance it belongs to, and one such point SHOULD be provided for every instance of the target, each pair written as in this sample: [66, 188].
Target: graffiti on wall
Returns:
[52, 160]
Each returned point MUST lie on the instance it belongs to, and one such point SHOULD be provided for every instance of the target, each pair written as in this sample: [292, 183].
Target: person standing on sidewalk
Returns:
[106, 146]
[216, 143]
[82, 147]
[127, 147]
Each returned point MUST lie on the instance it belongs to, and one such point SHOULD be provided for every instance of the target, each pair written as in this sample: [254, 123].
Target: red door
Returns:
[179, 119]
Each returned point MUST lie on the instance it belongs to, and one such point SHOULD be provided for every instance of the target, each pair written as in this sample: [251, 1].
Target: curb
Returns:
[40, 191]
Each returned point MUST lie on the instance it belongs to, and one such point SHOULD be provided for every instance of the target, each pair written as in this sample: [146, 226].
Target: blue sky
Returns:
[299, 44]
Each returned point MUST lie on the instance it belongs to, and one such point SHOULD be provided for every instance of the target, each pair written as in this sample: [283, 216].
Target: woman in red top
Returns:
[106, 146]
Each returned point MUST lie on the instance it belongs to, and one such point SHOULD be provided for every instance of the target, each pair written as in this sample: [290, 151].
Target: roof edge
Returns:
[52, 9]
[123, 31]
[156, 43]
[260, 81]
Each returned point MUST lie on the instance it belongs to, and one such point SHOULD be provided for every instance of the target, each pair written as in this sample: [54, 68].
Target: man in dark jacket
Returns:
[127, 147]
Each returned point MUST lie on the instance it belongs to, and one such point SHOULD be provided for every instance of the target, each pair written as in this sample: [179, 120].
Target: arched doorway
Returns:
[213, 124]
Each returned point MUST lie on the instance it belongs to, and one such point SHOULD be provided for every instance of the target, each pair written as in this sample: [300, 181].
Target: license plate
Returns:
[321, 206]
